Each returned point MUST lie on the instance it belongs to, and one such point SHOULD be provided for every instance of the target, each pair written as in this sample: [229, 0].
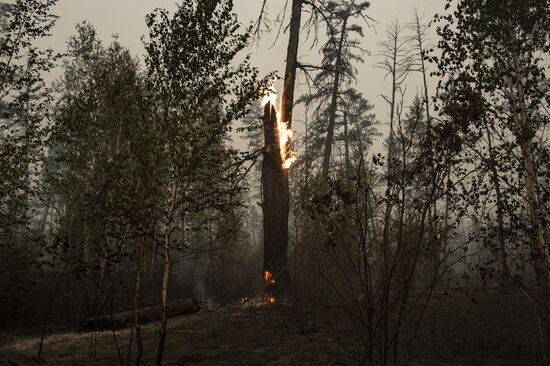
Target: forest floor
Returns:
[459, 330]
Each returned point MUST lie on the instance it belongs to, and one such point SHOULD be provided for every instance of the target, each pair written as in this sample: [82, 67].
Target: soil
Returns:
[478, 329]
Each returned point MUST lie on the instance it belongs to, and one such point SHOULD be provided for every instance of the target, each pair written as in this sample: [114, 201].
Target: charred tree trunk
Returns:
[287, 98]
[275, 212]
[275, 178]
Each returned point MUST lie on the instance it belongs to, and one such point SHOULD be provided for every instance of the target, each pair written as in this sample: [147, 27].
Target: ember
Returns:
[268, 278]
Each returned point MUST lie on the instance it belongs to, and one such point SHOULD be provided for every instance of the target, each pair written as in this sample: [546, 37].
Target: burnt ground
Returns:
[478, 329]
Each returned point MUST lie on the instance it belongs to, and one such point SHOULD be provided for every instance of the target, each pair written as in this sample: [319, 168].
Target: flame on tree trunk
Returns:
[277, 159]
[275, 211]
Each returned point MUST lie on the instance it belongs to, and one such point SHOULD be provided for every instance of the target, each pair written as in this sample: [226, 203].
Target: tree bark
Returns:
[525, 141]
[504, 270]
[287, 98]
[137, 290]
[275, 211]
[274, 177]
[346, 146]
[164, 299]
[165, 278]
[534, 207]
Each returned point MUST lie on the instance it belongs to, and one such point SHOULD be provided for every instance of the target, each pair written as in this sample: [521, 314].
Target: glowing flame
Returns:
[268, 278]
[285, 136]
[288, 157]
[269, 281]
[270, 98]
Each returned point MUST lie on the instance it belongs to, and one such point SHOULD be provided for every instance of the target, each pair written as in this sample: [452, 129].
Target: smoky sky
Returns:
[126, 19]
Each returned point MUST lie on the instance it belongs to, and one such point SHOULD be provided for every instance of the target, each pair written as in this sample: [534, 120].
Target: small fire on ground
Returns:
[288, 157]
[269, 282]
[264, 297]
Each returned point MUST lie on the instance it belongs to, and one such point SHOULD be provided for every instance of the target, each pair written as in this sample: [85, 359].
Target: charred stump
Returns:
[275, 212]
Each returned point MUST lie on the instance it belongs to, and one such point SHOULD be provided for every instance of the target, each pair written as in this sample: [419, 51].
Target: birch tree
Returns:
[499, 55]
[493, 70]
[24, 110]
[198, 91]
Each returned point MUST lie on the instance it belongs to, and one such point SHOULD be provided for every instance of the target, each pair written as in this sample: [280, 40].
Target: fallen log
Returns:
[148, 314]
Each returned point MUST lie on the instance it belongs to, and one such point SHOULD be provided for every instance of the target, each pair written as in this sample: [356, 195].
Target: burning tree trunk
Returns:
[277, 160]
[275, 210]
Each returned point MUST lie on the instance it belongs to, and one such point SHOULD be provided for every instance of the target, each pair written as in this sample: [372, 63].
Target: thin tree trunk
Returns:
[429, 146]
[420, 45]
[45, 215]
[392, 108]
[112, 309]
[389, 203]
[504, 270]
[287, 98]
[333, 104]
[534, 208]
[49, 311]
[346, 145]
[164, 298]
[165, 278]
[306, 153]
[137, 290]
[522, 120]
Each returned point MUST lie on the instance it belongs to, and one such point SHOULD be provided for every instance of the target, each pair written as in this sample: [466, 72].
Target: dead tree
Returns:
[275, 177]
[396, 63]
[287, 98]
[340, 49]
[333, 103]
[275, 211]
